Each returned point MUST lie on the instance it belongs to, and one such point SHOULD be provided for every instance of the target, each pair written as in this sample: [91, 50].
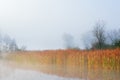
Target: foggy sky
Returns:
[40, 24]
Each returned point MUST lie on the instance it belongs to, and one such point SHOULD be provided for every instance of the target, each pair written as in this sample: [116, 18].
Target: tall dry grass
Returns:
[92, 65]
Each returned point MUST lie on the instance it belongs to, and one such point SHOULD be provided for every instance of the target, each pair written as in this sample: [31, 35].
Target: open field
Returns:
[91, 65]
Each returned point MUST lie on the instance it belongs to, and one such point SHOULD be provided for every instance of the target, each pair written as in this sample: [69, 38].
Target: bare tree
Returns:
[87, 40]
[0, 42]
[23, 48]
[7, 44]
[99, 35]
[13, 46]
[114, 38]
[69, 41]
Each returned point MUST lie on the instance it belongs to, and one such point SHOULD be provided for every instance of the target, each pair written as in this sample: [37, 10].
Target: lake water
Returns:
[8, 73]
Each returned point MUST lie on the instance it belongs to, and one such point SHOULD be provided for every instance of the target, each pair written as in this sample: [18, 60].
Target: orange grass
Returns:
[92, 65]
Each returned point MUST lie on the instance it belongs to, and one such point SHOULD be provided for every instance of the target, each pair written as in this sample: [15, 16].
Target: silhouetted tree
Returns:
[114, 38]
[13, 46]
[69, 41]
[7, 44]
[23, 48]
[87, 40]
[0, 42]
[101, 39]
[117, 43]
[99, 35]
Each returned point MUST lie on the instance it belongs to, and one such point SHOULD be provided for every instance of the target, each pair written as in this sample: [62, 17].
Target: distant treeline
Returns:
[7, 44]
[98, 38]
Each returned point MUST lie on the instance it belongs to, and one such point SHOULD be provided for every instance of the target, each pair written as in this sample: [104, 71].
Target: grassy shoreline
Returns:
[102, 64]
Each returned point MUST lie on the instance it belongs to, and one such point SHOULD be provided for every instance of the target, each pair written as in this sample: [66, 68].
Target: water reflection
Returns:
[83, 72]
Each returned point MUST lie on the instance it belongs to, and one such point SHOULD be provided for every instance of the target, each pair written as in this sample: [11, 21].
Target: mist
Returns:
[40, 24]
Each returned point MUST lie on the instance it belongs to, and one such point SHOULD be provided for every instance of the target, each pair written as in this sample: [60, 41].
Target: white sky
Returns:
[40, 24]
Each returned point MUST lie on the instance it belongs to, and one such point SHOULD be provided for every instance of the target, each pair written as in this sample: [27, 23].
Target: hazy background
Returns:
[40, 24]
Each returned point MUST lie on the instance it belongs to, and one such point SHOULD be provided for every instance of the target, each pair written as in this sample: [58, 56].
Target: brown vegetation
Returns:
[93, 64]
